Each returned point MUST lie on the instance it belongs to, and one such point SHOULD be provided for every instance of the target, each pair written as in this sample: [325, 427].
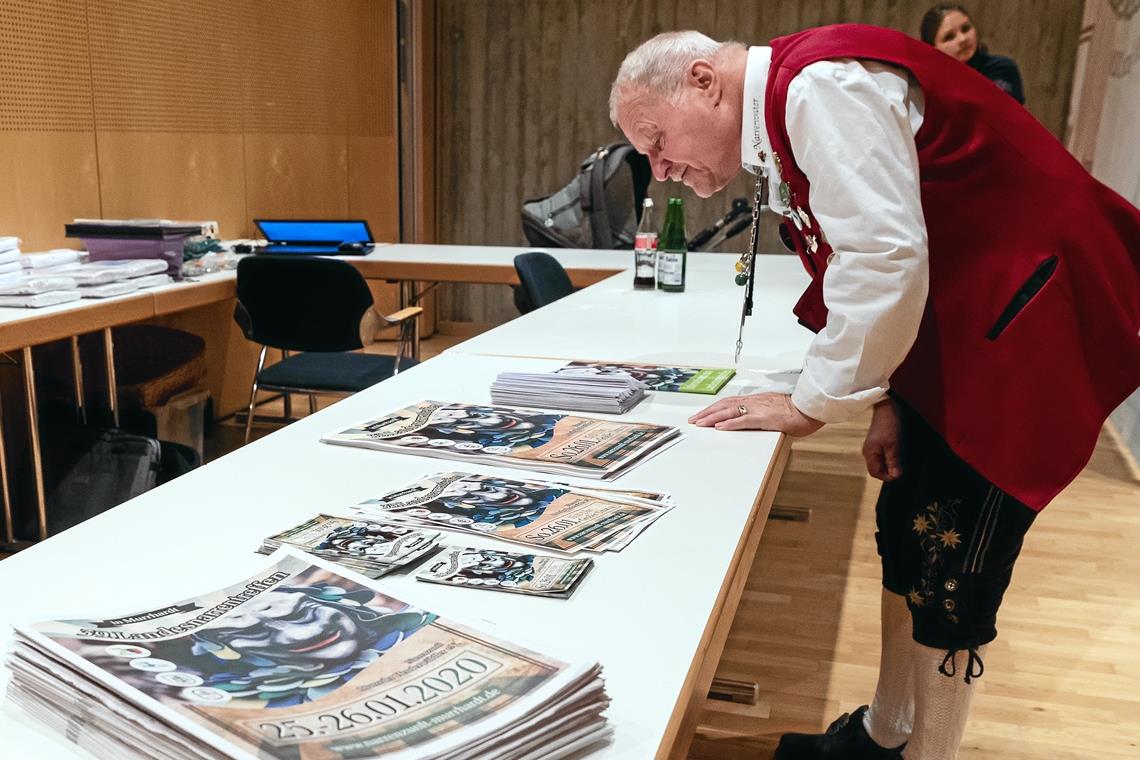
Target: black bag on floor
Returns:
[90, 470]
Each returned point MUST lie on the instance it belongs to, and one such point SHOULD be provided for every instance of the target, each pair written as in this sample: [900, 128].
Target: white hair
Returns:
[657, 66]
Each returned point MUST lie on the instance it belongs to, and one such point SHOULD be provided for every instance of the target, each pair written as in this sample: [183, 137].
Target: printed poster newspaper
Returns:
[532, 512]
[658, 378]
[304, 663]
[492, 570]
[563, 444]
[372, 548]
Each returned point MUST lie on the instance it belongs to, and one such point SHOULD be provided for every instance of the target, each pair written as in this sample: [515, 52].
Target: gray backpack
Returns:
[600, 208]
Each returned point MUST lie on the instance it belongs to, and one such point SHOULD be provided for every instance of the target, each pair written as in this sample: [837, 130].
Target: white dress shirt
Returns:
[851, 125]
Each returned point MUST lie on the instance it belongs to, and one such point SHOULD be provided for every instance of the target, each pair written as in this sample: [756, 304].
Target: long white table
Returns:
[643, 613]
[613, 321]
[655, 615]
[492, 264]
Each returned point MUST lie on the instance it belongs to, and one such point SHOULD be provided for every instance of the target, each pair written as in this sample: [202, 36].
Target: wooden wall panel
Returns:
[290, 172]
[49, 178]
[373, 187]
[174, 175]
[196, 109]
[523, 89]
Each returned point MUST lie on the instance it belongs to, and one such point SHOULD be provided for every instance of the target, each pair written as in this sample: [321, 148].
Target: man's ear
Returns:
[704, 78]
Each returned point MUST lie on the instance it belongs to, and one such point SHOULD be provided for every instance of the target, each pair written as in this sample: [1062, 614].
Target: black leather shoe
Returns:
[846, 739]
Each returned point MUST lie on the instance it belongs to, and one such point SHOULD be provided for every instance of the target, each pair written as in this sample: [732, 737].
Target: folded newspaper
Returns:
[303, 663]
[609, 394]
[532, 512]
[370, 548]
[562, 444]
[656, 377]
[531, 574]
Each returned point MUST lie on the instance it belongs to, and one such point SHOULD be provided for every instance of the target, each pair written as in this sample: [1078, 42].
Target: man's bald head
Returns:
[678, 99]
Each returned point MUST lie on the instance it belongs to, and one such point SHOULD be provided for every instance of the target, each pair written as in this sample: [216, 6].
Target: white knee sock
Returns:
[941, 704]
[889, 720]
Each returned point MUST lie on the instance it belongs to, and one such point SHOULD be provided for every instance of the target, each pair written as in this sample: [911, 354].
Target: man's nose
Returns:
[661, 167]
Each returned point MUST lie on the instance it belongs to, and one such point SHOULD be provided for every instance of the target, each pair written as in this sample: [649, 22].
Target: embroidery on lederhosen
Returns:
[936, 527]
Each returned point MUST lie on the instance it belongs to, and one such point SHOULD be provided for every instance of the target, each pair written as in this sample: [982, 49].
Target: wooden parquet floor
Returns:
[1062, 680]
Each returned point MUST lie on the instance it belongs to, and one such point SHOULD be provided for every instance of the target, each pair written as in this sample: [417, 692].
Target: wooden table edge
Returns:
[686, 712]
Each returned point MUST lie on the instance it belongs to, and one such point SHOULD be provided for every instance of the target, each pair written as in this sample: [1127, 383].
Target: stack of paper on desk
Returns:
[54, 258]
[370, 548]
[36, 300]
[34, 284]
[536, 513]
[94, 273]
[10, 261]
[563, 444]
[657, 377]
[298, 662]
[610, 394]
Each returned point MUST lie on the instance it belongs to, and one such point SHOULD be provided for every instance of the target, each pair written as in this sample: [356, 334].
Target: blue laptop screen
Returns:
[301, 231]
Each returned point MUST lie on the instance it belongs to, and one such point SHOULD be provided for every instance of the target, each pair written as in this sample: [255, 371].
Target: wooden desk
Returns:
[398, 263]
[20, 329]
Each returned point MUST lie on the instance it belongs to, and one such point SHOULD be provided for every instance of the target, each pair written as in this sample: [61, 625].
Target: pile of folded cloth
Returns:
[61, 275]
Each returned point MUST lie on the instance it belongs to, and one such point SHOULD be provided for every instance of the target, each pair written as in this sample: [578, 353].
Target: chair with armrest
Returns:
[543, 280]
[323, 309]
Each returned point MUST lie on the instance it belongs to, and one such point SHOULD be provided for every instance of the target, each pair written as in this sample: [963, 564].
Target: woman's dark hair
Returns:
[928, 29]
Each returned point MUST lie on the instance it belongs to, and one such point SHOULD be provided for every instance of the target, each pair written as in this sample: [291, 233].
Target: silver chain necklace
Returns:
[746, 266]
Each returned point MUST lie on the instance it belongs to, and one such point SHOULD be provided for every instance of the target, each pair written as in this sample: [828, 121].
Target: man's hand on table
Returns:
[761, 411]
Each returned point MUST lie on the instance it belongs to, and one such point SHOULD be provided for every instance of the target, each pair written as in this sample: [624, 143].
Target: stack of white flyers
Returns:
[532, 512]
[531, 574]
[152, 280]
[109, 289]
[610, 394]
[33, 284]
[104, 272]
[301, 662]
[370, 548]
[54, 258]
[530, 439]
[37, 300]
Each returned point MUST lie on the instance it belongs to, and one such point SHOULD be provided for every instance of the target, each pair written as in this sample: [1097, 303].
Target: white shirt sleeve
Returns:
[851, 125]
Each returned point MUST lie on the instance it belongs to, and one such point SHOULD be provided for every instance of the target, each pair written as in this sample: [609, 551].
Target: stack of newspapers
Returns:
[610, 394]
[371, 548]
[562, 444]
[297, 662]
[538, 514]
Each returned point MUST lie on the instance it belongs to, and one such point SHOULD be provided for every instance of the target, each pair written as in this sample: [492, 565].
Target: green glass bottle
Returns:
[673, 249]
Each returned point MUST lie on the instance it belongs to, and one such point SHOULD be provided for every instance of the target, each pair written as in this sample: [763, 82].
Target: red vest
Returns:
[1031, 334]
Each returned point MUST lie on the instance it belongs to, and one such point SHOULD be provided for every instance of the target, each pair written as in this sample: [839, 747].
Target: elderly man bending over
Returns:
[952, 288]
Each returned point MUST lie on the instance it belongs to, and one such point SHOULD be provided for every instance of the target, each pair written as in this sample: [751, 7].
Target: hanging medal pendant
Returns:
[785, 194]
[813, 244]
[803, 217]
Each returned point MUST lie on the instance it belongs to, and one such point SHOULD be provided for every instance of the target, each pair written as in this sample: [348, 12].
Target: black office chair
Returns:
[543, 281]
[323, 308]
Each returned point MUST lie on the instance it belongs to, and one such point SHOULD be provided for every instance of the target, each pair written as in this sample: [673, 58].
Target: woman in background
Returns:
[948, 27]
